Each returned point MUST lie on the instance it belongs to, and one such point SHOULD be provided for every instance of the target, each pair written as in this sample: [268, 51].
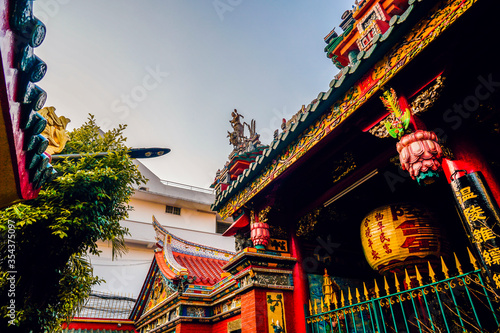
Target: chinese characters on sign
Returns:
[393, 233]
[481, 216]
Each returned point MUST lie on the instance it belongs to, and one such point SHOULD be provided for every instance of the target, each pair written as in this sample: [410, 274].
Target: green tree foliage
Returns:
[51, 235]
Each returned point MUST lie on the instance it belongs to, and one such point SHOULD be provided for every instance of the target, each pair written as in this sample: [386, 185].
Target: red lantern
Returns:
[420, 154]
[260, 235]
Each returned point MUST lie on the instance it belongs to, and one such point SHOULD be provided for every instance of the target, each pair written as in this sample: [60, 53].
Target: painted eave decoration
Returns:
[181, 274]
[24, 165]
[408, 34]
[179, 258]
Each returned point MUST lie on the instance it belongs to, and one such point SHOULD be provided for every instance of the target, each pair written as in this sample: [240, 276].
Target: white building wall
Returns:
[196, 224]
[189, 218]
[123, 275]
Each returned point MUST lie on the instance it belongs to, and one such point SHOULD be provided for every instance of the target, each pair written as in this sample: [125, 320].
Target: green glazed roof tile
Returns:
[370, 51]
[404, 16]
[304, 116]
[325, 96]
[393, 20]
[315, 106]
[387, 34]
[339, 82]
[354, 67]
[276, 145]
[360, 55]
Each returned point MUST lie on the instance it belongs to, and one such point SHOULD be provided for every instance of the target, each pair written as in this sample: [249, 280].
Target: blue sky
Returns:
[173, 70]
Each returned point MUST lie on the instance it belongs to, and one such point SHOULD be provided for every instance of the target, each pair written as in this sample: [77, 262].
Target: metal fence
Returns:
[462, 303]
[107, 305]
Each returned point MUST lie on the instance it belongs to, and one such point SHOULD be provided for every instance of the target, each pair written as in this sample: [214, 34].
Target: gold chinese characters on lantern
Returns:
[400, 235]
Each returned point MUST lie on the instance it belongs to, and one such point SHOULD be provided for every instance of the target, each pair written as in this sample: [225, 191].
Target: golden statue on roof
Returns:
[55, 131]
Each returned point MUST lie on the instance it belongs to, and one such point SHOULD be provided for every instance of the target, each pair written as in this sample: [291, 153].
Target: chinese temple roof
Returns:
[348, 91]
[180, 267]
[178, 258]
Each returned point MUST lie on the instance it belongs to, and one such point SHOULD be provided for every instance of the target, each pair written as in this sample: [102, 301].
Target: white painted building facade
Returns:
[182, 210]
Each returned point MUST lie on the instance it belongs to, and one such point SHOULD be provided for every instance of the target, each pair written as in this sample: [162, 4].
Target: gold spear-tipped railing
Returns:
[462, 301]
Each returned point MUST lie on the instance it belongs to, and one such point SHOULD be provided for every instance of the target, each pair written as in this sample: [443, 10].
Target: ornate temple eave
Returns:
[389, 54]
[192, 292]
[220, 293]
[193, 248]
[164, 268]
[241, 222]
[24, 164]
[170, 282]
[185, 319]
[252, 257]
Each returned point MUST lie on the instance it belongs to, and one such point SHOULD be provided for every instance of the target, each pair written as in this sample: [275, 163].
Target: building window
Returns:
[173, 210]
[221, 227]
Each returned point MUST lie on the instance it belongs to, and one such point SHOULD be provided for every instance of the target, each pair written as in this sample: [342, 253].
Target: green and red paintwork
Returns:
[347, 95]
[24, 165]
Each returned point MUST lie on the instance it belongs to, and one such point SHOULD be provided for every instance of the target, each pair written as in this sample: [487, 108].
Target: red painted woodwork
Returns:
[469, 159]
[238, 167]
[240, 223]
[219, 327]
[100, 324]
[204, 271]
[193, 328]
[18, 182]
[301, 290]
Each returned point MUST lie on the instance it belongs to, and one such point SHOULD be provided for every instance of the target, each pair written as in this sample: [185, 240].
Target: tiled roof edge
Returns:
[369, 58]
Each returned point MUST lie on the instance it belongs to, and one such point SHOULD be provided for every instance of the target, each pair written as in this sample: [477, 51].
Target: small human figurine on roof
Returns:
[236, 123]
[237, 137]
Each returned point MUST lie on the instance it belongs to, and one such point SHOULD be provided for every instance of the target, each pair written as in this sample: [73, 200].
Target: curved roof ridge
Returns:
[186, 247]
[172, 264]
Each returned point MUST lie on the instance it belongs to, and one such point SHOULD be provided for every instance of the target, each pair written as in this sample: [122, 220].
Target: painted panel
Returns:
[276, 312]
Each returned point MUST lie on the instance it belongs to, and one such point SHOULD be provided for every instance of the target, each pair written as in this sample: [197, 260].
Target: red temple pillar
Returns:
[467, 160]
[301, 289]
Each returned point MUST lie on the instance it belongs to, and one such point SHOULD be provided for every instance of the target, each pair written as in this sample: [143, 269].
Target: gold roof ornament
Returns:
[328, 288]
[55, 131]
